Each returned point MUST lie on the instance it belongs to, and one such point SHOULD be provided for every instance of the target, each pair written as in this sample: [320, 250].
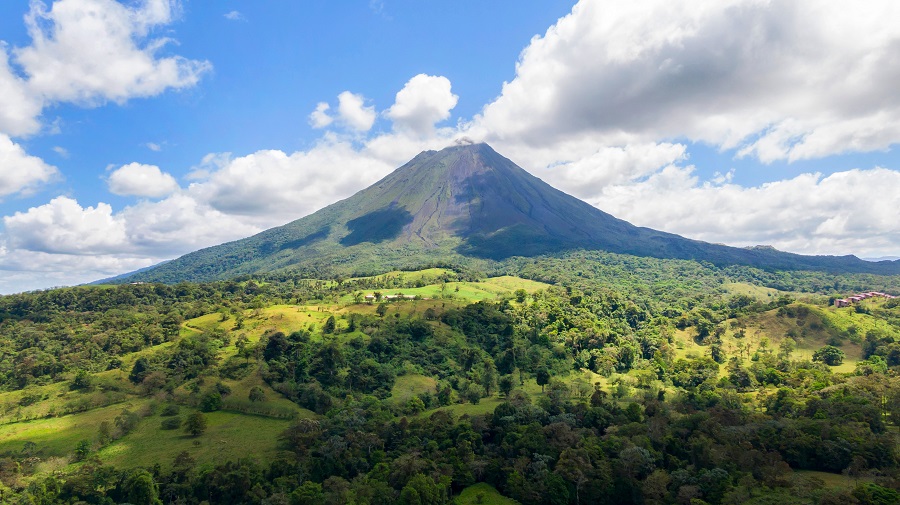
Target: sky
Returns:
[132, 132]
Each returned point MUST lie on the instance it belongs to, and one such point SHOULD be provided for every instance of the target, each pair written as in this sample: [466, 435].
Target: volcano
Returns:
[463, 203]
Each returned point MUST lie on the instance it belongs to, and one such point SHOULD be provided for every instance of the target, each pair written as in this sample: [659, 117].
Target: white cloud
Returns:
[179, 224]
[91, 51]
[272, 187]
[19, 108]
[61, 151]
[141, 180]
[809, 214]
[779, 79]
[19, 172]
[234, 16]
[153, 146]
[62, 226]
[319, 118]
[586, 176]
[353, 112]
[26, 270]
[423, 101]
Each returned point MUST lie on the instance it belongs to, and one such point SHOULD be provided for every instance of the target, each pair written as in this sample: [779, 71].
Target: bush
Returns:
[211, 402]
[170, 410]
[257, 394]
[830, 355]
[172, 423]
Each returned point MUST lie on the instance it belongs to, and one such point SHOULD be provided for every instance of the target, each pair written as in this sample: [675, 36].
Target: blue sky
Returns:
[133, 132]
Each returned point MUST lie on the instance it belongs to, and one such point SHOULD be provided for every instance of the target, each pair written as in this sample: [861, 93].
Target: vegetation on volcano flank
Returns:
[463, 205]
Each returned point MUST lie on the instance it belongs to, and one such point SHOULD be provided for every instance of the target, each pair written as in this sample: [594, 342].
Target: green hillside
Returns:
[586, 378]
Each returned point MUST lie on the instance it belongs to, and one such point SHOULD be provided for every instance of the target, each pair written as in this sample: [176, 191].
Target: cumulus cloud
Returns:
[588, 175]
[423, 101]
[92, 51]
[136, 179]
[62, 226]
[354, 113]
[810, 213]
[319, 118]
[19, 107]
[19, 172]
[779, 79]
[273, 185]
[26, 270]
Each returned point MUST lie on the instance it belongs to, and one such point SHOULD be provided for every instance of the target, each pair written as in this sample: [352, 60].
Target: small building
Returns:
[843, 302]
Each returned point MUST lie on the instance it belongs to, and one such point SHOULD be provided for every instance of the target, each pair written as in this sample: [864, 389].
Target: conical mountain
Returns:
[462, 203]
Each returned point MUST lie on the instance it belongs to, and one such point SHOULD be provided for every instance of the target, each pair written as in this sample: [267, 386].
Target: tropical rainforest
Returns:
[583, 377]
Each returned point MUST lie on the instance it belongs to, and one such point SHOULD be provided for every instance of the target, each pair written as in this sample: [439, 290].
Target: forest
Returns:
[581, 378]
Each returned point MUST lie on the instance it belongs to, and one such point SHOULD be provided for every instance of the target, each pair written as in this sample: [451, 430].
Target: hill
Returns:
[467, 205]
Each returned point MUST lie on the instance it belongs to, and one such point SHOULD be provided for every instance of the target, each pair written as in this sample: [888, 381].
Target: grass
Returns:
[482, 493]
[761, 293]
[811, 331]
[275, 405]
[833, 480]
[408, 386]
[229, 436]
[465, 291]
[57, 436]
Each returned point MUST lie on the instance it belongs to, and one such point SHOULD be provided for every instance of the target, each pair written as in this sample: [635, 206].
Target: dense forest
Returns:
[585, 378]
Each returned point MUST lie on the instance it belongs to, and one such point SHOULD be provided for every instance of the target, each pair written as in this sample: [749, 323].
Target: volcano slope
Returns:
[463, 205]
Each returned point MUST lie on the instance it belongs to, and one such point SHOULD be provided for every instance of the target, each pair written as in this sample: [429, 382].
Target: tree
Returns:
[488, 375]
[520, 295]
[82, 380]
[196, 424]
[543, 378]
[507, 383]
[82, 450]
[691, 373]
[787, 346]
[257, 394]
[329, 325]
[211, 402]
[141, 489]
[140, 368]
[830, 355]
[381, 310]
[473, 393]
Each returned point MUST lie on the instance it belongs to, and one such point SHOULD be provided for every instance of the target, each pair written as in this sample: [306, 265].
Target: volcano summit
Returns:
[462, 204]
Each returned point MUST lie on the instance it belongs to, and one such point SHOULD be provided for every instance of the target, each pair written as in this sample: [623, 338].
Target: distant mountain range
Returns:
[465, 203]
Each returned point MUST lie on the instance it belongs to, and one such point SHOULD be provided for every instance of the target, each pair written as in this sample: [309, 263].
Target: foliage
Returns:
[195, 424]
[830, 355]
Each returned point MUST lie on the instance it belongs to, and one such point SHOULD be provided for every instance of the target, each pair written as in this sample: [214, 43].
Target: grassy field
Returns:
[465, 291]
[832, 480]
[483, 494]
[58, 436]
[812, 328]
[408, 386]
[229, 436]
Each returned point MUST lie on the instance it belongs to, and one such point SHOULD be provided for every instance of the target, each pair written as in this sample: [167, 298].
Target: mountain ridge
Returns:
[465, 203]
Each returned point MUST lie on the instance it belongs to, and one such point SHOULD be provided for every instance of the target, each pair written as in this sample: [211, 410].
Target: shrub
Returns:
[172, 423]
[170, 410]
